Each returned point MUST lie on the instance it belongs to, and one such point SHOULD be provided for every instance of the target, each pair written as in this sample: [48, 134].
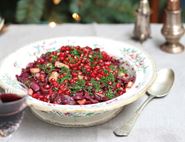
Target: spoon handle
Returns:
[125, 129]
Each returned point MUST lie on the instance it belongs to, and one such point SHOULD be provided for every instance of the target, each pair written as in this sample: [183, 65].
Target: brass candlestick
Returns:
[173, 28]
[142, 25]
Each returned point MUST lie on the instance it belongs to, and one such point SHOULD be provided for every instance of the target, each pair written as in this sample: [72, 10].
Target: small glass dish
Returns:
[12, 108]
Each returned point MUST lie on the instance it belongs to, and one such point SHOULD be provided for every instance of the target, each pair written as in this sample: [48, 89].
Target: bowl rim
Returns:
[44, 106]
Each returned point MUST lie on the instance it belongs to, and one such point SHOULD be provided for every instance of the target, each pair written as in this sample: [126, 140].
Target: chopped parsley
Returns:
[89, 90]
[47, 68]
[112, 67]
[54, 58]
[55, 89]
[91, 59]
[71, 60]
[84, 70]
[97, 54]
[78, 86]
[122, 70]
[105, 71]
[67, 76]
[64, 70]
[109, 78]
[75, 52]
[109, 94]
[96, 84]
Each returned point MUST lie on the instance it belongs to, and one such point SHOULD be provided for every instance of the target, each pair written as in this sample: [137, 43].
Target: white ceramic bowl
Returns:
[137, 62]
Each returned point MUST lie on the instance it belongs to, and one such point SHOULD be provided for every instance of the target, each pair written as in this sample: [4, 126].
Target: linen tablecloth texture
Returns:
[163, 120]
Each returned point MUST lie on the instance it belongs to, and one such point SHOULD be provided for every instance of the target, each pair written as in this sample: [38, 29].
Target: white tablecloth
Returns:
[163, 120]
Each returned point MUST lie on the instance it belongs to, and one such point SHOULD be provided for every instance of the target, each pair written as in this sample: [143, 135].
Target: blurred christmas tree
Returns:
[104, 11]
[84, 11]
[62, 11]
[30, 11]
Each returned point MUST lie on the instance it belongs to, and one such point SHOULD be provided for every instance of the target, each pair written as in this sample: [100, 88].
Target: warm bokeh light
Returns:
[52, 24]
[76, 17]
[56, 2]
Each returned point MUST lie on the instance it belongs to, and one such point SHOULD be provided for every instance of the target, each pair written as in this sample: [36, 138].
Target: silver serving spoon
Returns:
[159, 88]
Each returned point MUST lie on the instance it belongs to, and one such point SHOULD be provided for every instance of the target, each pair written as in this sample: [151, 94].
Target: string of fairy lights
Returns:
[74, 15]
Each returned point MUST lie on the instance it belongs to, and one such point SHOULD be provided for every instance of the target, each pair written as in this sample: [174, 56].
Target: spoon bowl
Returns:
[162, 84]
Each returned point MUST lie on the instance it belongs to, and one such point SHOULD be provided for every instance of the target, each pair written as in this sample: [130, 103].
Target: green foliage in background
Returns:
[104, 11]
[44, 11]
[100, 11]
[29, 11]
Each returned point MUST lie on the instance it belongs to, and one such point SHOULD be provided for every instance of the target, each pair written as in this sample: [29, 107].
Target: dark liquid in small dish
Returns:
[11, 113]
[5, 98]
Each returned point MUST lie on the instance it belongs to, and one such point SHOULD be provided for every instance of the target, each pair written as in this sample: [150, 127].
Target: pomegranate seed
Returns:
[110, 83]
[101, 61]
[118, 85]
[80, 73]
[72, 81]
[46, 86]
[74, 74]
[62, 87]
[68, 92]
[40, 61]
[66, 81]
[93, 75]
[88, 70]
[60, 91]
[52, 80]
[55, 84]
[107, 63]
[75, 78]
[35, 95]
